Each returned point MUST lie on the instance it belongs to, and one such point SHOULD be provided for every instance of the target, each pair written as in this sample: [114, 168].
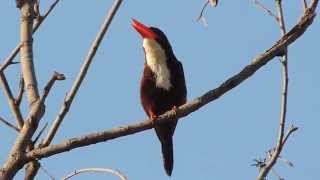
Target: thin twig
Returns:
[285, 160]
[15, 51]
[290, 131]
[55, 77]
[47, 172]
[77, 83]
[213, 3]
[276, 174]
[267, 10]
[201, 17]
[187, 108]
[86, 170]
[202, 10]
[284, 96]
[40, 133]
[9, 124]
[12, 103]
[304, 5]
[19, 95]
[281, 17]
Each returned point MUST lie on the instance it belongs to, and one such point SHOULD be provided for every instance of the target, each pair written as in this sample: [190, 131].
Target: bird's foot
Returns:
[175, 110]
[153, 116]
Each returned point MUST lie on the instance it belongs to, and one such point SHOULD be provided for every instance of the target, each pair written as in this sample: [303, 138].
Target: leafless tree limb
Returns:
[284, 96]
[213, 3]
[19, 95]
[9, 124]
[23, 141]
[55, 77]
[267, 10]
[292, 129]
[30, 170]
[47, 172]
[15, 51]
[12, 103]
[276, 174]
[39, 106]
[189, 107]
[40, 133]
[74, 89]
[26, 52]
[86, 170]
[304, 4]
[202, 10]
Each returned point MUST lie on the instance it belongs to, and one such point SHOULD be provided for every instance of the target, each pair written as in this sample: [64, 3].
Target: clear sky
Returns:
[220, 140]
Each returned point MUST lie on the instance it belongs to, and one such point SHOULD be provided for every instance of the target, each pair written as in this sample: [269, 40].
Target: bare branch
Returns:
[56, 76]
[290, 131]
[276, 174]
[77, 83]
[33, 166]
[284, 96]
[267, 10]
[189, 107]
[9, 124]
[47, 172]
[202, 10]
[42, 18]
[281, 17]
[15, 51]
[40, 132]
[12, 103]
[31, 170]
[286, 161]
[15, 161]
[86, 170]
[26, 52]
[304, 5]
[201, 18]
[19, 96]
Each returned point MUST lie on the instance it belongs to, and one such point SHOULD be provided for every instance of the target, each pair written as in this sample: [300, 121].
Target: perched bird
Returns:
[162, 87]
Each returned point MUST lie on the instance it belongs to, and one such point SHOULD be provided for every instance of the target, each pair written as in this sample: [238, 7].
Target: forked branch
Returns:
[12, 102]
[77, 83]
[9, 124]
[275, 153]
[15, 51]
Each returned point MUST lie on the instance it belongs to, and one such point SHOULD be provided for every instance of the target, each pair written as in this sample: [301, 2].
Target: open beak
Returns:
[143, 30]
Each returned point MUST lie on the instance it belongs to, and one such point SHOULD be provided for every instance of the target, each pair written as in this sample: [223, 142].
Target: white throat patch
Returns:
[156, 60]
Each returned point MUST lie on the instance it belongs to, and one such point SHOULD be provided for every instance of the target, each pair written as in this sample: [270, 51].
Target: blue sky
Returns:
[217, 142]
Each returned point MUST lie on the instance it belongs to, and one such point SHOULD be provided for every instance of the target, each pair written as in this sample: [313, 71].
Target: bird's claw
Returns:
[153, 117]
[175, 110]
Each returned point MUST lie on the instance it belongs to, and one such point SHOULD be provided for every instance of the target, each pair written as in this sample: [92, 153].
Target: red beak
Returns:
[143, 30]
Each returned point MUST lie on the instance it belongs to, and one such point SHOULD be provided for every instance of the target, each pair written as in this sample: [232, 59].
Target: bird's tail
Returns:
[167, 155]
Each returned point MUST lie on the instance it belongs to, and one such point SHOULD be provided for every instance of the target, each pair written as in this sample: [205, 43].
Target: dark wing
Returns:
[147, 91]
[181, 84]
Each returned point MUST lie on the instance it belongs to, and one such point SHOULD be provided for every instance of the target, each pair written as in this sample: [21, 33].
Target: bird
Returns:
[162, 86]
